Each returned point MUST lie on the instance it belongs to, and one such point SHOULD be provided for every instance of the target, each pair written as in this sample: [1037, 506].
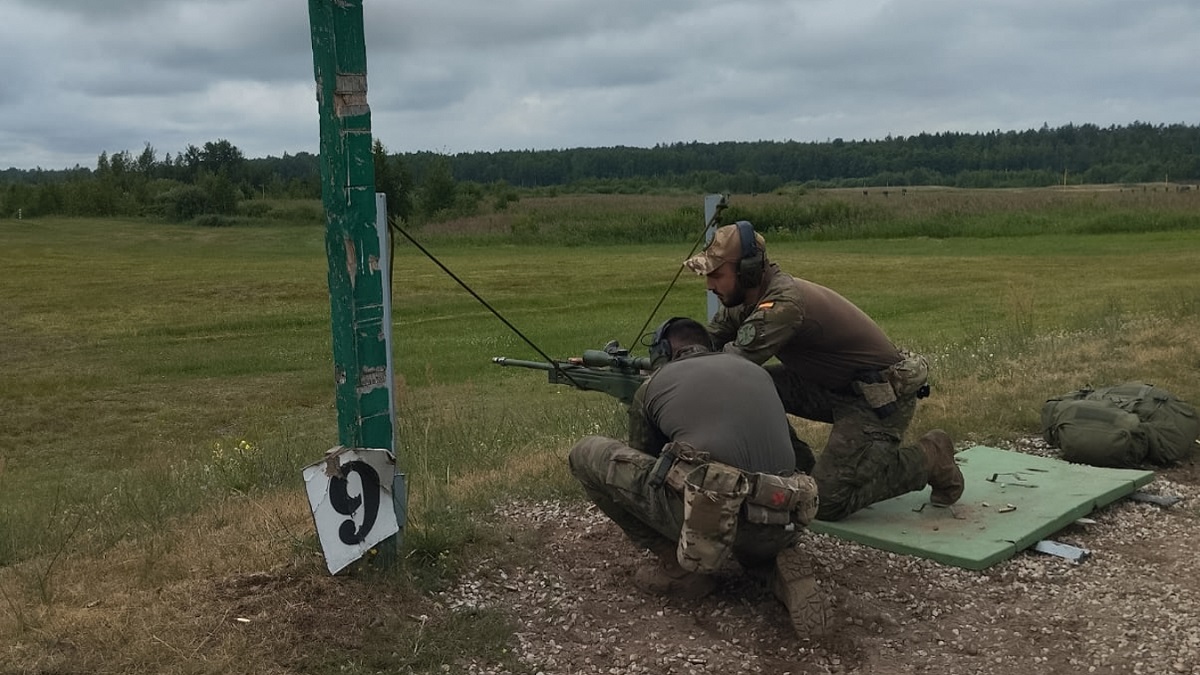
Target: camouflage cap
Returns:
[726, 246]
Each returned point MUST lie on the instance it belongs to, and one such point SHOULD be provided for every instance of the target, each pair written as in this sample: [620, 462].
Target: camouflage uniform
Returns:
[715, 403]
[824, 343]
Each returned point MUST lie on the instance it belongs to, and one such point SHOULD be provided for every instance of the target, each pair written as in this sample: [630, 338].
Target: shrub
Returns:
[214, 220]
[256, 209]
[184, 203]
[303, 213]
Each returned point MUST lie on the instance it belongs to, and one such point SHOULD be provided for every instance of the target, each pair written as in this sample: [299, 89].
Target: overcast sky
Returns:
[78, 77]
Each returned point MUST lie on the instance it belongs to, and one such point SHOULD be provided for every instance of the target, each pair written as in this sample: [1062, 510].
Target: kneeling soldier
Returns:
[709, 473]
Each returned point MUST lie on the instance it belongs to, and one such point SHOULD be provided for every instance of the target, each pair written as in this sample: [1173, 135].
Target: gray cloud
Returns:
[82, 76]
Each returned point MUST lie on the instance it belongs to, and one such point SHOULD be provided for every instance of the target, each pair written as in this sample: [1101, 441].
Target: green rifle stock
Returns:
[617, 375]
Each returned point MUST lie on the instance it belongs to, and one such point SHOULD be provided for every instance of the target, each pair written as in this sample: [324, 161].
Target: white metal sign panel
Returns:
[350, 494]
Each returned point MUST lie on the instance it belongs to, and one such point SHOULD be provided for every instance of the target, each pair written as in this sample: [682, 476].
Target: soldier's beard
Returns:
[735, 298]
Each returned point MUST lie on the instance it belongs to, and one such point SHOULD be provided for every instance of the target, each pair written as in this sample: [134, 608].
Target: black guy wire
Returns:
[392, 222]
[661, 300]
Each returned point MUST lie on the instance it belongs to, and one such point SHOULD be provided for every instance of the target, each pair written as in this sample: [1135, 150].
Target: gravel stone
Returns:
[1132, 607]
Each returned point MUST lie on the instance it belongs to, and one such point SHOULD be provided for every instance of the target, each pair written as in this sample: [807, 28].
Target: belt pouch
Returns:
[712, 497]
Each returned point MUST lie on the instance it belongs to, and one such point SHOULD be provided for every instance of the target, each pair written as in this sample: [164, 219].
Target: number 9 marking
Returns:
[347, 505]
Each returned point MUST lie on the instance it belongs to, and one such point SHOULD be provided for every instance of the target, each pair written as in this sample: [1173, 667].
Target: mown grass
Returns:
[163, 385]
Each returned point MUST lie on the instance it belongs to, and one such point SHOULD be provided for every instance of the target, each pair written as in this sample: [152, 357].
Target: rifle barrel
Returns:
[620, 377]
[536, 365]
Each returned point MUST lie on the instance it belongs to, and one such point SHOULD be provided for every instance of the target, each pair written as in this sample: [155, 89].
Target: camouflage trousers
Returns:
[864, 461]
[616, 478]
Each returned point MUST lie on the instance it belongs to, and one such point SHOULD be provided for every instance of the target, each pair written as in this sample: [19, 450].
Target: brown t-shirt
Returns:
[811, 329]
[717, 403]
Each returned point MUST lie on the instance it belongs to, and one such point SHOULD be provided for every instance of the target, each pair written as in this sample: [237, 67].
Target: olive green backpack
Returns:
[1122, 426]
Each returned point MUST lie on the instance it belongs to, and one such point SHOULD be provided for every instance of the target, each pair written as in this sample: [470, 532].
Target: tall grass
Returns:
[834, 215]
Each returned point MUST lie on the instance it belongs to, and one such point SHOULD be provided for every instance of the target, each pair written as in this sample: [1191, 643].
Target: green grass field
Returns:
[163, 385]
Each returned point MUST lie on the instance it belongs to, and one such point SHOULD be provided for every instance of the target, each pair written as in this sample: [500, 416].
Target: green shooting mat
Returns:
[1012, 501]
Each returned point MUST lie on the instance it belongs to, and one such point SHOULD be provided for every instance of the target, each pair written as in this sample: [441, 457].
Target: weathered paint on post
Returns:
[356, 281]
[355, 242]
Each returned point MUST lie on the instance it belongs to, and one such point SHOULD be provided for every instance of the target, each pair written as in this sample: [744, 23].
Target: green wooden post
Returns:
[356, 272]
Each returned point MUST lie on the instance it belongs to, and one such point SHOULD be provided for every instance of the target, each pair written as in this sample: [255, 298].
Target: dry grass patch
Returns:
[238, 588]
[1003, 391]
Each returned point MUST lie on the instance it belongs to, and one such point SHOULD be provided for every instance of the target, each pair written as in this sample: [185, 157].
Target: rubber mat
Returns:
[1011, 501]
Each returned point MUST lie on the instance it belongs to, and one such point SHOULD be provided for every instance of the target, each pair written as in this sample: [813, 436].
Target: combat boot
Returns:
[795, 585]
[667, 578]
[945, 477]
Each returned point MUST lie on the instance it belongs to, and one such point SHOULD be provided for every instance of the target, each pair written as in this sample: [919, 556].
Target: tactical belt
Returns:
[770, 500]
[881, 389]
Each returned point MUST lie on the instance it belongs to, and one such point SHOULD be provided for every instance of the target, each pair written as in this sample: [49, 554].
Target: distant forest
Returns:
[214, 178]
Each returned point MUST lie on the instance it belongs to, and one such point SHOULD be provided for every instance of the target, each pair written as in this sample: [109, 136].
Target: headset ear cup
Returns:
[750, 265]
[750, 270]
[660, 346]
[659, 352]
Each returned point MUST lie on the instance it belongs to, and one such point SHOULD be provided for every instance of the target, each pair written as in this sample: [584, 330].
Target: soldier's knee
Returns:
[589, 453]
[836, 496]
[831, 511]
[577, 457]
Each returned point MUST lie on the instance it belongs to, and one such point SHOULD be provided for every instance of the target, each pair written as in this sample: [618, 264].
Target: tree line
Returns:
[1135, 153]
[215, 183]
[213, 179]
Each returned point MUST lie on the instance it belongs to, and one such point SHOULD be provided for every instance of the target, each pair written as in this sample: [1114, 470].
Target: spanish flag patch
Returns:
[766, 305]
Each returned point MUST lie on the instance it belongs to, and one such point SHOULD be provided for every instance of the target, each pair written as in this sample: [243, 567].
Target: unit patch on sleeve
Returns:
[746, 334]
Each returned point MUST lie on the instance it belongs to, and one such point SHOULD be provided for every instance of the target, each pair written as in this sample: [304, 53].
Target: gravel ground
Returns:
[1132, 607]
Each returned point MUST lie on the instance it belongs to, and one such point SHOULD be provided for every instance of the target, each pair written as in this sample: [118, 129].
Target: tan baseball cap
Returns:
[726, 245]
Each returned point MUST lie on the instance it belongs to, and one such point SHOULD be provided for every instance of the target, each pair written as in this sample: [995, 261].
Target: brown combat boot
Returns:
[667, 578]
[795, 585]
[945, 477]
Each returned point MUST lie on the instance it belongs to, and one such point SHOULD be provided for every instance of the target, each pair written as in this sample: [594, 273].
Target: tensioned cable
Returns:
[394, 225]
[661, 300]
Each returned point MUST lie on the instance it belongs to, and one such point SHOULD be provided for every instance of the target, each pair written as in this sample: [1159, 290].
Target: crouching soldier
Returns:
[708, 474]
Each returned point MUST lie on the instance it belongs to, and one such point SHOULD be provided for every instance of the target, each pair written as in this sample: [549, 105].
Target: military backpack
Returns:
[1121, 426]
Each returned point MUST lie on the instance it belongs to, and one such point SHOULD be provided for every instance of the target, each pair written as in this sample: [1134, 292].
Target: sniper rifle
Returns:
[610, 370]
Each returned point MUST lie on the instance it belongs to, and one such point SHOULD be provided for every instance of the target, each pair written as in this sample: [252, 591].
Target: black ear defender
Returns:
[750, 265]
[660, 346]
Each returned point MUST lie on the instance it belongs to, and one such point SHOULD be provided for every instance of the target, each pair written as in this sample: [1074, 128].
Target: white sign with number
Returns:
[350, 493]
